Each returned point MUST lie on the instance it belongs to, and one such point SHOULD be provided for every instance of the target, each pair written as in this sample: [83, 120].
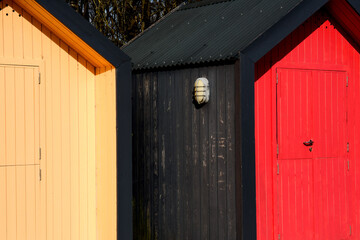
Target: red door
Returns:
[311, 173]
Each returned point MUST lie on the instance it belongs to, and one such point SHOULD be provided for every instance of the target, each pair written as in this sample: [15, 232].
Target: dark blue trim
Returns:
[282, 29]
[247, 148]
[83, 29]
[124, 151]
[355, 4]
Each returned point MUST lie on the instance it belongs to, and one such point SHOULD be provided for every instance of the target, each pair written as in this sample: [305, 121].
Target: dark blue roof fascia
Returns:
[216, 30]
[209, 31]
[355, 5]
[84, 30]
[269, 39]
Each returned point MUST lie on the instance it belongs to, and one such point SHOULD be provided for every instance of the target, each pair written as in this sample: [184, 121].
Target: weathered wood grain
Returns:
[184, 155]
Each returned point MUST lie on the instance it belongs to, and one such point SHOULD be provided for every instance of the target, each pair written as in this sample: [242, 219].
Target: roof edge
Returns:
[274, 35]
[355, 4]
[71, 27]
[202, 4]
[154, 24]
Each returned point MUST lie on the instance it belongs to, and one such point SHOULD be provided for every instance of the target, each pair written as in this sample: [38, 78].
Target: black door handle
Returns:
[308, 143]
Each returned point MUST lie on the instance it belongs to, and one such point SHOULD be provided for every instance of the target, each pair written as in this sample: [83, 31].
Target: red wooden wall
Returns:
[319, 43]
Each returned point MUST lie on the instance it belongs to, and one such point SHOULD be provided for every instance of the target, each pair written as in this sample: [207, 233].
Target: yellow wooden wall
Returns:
[106, 153]
[77, 130]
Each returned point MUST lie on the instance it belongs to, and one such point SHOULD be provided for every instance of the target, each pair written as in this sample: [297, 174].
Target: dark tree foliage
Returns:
[122, 20]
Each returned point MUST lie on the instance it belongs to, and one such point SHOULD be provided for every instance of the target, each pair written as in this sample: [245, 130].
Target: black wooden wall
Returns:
[183, 156]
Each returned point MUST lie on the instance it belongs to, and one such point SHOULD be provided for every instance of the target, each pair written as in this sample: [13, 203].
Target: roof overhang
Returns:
[75, 31]
[348, 18]
[283, 28]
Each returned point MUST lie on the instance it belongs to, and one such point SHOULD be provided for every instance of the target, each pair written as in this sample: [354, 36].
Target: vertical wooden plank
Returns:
[10, 119]
[175, 147]
[105, 90]
[83, 149]
[221, 154]
[167, 159]
[188, 105]
[31, 195]
[36, 39]
[195, 173]
[230, 129]
[150, 152]
[57, 122]
[146, 153]
[134, 154]
[74, 146]
[28, 37]
[2, 116]
[19, 115]
[8, 29]
[36, 89]
[171, 173]
[155, 156]
[42, 203]
[162, 151]
[91, 150]
[17, 31]
[353, 100]
[3, 204]
[213, 153]
[3, 177]
[65, 139]
[204, 165]
[2, 31]
[179, 150]
[29, 100]
[40, 228]
[47, 171]
[264, 159]
[141, 159]
[21, 200]
[11, 203]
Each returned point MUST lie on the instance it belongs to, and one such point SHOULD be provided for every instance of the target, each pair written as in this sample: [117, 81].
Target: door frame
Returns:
[274, 77]
[40, 64]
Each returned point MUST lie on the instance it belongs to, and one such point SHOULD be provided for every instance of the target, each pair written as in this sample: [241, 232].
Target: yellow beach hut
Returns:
[65, 126]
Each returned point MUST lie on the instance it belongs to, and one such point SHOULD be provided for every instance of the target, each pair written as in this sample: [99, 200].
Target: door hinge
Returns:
[39, 78]
[279, 236]
[347, 147]
[347, 81]
[277, 78]
[40, 174]
[348, 164]
[350, 230]
[277, 149]
[278, 169]
[39, 153]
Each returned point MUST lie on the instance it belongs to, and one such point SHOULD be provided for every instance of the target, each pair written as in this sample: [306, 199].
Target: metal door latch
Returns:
[308, 143]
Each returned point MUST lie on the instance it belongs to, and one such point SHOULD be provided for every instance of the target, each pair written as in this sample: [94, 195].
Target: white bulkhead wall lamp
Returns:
[201, 90]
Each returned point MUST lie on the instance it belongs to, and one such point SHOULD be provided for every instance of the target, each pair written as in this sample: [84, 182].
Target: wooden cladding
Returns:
[19, 152]
[75, 128]
[322, 55]
[183, 156]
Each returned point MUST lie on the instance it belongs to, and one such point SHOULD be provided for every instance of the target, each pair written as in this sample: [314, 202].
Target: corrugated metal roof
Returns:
[212, 30]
